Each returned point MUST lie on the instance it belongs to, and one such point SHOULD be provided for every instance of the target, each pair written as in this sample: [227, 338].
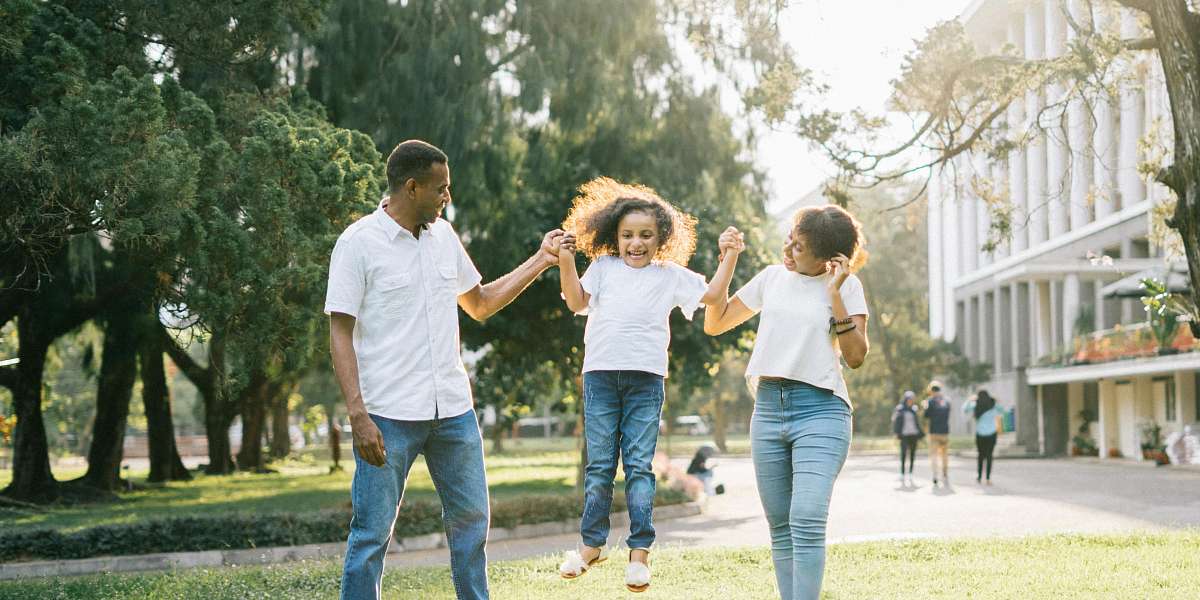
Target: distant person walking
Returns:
[988, 423]
[937, 413]
[907, 427]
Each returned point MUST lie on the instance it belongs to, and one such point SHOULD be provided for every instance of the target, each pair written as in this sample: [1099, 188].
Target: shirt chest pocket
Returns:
[446, 278]
[394, 294]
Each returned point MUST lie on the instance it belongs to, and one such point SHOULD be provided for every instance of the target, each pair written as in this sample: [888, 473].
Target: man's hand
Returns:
[368, 440]
[548, 253]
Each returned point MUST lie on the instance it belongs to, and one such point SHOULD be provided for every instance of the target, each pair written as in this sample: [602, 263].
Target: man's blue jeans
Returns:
[453, 450]
[621, 410]
[799, 437]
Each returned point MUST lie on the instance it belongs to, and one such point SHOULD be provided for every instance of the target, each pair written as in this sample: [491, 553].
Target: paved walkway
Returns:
[1029, 497]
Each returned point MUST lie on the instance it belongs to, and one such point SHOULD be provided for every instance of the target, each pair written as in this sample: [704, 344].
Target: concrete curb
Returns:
[167, 561]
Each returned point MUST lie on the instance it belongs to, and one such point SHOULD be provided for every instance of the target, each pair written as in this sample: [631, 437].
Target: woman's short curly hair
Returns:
[601, 204]
[830, 230]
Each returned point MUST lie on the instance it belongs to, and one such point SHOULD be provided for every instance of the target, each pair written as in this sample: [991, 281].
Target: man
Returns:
[395, 279]
[937, 413]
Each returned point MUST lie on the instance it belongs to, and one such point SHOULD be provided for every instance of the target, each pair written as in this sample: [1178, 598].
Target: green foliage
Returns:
[1161, 310]
[262, 530]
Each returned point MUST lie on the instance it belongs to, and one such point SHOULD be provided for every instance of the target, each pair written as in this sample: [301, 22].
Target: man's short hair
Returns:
[411, 160]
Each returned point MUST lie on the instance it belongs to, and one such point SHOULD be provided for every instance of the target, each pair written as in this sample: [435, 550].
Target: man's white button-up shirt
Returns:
[403, 293]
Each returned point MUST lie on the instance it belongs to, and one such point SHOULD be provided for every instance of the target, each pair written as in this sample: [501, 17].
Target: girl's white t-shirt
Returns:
[794, 338]
[628, 326]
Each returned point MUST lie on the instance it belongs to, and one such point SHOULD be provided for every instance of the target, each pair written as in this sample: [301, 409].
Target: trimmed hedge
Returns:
[234, 531]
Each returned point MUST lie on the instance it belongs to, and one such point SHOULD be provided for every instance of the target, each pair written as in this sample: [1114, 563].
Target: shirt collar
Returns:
[391, 227]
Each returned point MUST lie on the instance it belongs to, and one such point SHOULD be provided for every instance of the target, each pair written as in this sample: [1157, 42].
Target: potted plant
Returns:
[1160, 308]
[1152, 446]
[1083, 444]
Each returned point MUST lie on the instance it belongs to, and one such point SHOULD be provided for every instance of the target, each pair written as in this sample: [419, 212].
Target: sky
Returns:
[856, 47]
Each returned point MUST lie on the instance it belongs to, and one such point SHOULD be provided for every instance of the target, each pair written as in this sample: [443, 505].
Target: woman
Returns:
[988, 422]
[814, 316]
[907, 428]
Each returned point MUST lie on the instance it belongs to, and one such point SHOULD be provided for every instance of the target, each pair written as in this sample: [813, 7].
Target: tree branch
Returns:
[197, 374]
[1142, 5]
[8, 377]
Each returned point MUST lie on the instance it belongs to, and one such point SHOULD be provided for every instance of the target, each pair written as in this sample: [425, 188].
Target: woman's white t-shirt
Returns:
[794, 338]
[628, 326]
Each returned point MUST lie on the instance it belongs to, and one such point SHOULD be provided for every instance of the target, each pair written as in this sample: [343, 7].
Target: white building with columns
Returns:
[1026, 308]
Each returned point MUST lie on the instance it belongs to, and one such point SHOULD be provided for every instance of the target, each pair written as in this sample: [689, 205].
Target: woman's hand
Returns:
[840, 266]
[731, 240]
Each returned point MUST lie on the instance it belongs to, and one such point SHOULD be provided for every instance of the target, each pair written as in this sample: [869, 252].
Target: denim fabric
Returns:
[799, 437]
[453, 450]
[621, 411]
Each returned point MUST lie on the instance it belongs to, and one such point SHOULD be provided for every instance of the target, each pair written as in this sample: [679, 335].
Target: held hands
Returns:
[566, 245]
[731, 240]
[551, 242]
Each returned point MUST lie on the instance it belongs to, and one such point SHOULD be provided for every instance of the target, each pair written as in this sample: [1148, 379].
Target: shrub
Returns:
[232, 531]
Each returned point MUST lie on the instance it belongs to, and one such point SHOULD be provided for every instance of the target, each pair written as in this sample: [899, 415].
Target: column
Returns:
[1132, 105]
[952, 268]
[1126, 303]
[1018, 323]
[1079, 124]
[998, 174]
[969, 344]
[936, 257]
[1039, 305]
[1016, 157]
[981, 324]
[1070, 301]
[970, 225]
[1057, 170]
[1000, 332]
[1098, 321]
[983, 220]
[1104, 165]
[1036, 152]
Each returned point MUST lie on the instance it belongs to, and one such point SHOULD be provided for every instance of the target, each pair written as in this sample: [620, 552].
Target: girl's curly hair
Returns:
[601, 204]
[829, 231]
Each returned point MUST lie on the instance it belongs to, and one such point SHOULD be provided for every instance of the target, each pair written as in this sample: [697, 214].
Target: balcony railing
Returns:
[1122, 342]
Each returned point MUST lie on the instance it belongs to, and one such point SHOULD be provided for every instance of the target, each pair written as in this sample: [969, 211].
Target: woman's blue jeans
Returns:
[799, 437]
[621, 411]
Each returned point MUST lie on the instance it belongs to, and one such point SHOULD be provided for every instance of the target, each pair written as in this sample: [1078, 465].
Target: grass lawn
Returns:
[1064, 566]
[300, 486]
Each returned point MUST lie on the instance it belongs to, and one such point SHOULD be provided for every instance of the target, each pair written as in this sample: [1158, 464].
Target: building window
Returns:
[1168, 395]
[1091, 398]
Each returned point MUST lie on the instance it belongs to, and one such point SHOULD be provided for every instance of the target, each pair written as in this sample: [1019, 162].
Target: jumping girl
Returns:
[639, 245]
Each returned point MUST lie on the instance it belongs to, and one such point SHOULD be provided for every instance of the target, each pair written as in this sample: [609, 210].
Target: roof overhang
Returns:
[1187, 361]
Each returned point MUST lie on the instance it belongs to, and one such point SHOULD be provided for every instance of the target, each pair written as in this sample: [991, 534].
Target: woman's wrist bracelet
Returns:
[852, 327]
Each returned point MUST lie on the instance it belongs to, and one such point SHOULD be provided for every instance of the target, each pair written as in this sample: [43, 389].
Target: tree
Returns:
[168, 169]
[969, 102]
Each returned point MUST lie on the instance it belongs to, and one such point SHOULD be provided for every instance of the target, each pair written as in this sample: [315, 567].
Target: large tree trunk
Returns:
[253, 401]
[165, 464]
[118, 370]
[281, 442]
[335, 437]
[1177, 33]
[32, 480]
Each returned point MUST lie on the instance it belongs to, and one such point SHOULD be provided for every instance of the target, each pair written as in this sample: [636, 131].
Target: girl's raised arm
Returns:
[568, 276]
